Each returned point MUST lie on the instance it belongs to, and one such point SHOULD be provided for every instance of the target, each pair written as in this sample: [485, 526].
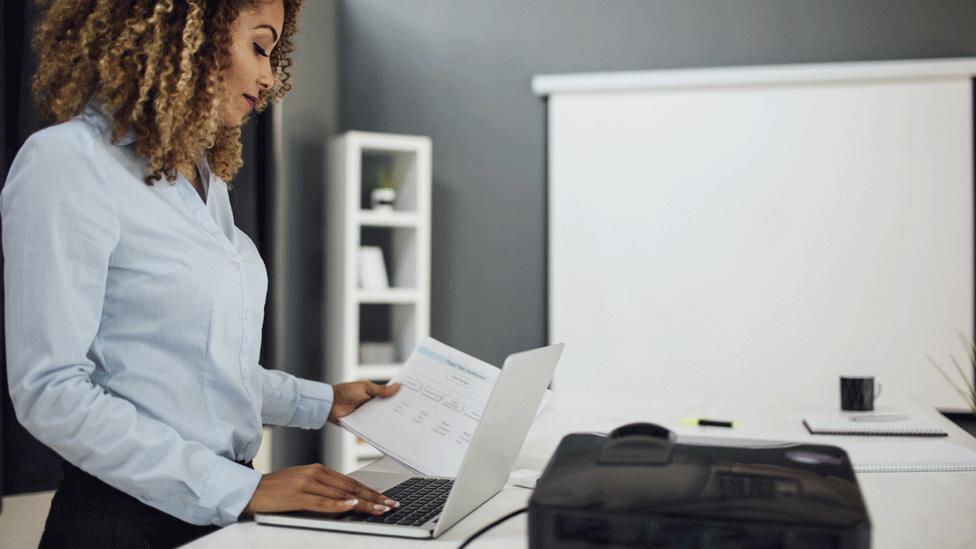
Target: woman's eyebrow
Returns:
[274, 32]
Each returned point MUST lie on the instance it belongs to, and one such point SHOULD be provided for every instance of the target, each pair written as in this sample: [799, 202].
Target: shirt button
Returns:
[247, 315]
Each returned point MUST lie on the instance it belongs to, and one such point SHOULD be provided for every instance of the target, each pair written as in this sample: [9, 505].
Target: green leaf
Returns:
[965, 381]
[962, 393]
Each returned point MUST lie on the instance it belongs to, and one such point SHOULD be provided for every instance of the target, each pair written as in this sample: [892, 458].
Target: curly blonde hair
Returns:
[155, 68]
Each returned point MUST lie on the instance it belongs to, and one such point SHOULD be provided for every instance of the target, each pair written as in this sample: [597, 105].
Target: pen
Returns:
[878, 418]
[702, 422]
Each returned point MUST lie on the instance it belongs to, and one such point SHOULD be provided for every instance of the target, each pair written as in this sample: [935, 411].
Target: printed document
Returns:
[428, 424]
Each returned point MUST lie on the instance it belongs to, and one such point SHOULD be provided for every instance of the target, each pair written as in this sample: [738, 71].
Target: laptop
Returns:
[429, 506]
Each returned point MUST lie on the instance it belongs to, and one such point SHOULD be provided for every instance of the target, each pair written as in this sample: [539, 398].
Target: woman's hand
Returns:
[315, 488]
[349, 396]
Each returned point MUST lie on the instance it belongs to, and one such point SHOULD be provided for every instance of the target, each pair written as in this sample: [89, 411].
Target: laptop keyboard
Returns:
[421, 499]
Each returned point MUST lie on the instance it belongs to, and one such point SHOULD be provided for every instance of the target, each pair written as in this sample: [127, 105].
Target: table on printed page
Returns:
[907, 510]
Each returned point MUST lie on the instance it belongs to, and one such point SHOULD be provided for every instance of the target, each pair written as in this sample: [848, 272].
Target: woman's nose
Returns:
[266, 79]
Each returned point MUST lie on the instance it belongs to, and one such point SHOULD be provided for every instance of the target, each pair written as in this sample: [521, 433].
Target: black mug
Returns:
[857, 393]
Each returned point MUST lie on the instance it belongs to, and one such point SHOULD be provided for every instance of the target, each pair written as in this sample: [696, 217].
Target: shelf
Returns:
[366, 309]
[365, 451]
[377, 371]
[390, 295]
[388, 142]
[381, 218]
[364, 461]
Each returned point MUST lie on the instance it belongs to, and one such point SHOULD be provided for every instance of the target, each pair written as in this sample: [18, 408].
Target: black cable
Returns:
[492, 525]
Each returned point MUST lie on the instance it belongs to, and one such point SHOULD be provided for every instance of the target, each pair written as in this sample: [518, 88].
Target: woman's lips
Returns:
[251, 100]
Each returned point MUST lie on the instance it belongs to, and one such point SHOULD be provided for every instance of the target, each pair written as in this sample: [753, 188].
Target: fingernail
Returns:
[392, 503]
[351, 502]
[381, 508]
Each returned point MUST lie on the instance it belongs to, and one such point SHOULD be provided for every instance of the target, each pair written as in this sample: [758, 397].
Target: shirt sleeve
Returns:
[60, 226]
[295, 402]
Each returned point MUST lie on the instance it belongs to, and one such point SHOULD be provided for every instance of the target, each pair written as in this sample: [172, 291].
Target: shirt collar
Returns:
[96, 118]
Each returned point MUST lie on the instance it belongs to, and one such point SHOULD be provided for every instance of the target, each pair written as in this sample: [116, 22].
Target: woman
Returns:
[133, 304]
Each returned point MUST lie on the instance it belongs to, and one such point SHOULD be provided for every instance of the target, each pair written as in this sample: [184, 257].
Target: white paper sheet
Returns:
[905, 455]
[429, 423]
[873, 424]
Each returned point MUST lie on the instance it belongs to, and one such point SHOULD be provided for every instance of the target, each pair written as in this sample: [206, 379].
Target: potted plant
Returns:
[966, 389]
[383, 195]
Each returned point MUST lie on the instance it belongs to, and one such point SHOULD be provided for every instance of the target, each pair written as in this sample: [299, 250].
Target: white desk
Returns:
[908, 510]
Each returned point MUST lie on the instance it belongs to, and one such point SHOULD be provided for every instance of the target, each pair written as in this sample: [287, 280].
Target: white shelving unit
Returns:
[400, 314]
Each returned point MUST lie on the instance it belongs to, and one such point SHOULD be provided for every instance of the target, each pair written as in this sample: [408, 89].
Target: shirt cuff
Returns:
[231, 485]
[314, 405]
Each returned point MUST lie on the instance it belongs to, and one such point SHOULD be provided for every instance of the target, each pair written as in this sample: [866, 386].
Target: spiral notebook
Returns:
[906, 455]
[883, 425]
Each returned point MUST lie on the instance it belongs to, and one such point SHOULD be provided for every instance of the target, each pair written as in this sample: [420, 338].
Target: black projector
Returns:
[638, 487]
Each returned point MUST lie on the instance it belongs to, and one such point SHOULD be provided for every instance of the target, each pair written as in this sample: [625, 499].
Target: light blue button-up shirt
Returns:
[133, 325]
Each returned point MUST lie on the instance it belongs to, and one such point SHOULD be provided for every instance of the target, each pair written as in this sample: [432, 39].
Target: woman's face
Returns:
[253, 35]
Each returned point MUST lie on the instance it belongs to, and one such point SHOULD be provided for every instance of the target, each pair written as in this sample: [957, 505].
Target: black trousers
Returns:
[87, 513]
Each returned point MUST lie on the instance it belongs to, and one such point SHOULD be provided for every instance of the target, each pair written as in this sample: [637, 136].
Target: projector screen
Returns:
[757, 232]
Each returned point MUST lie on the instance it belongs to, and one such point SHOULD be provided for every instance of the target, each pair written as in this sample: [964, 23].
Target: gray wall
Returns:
[308, 119]
[459, 71]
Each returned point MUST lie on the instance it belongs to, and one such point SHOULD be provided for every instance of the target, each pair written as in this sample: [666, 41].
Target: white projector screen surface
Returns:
[757, 241]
